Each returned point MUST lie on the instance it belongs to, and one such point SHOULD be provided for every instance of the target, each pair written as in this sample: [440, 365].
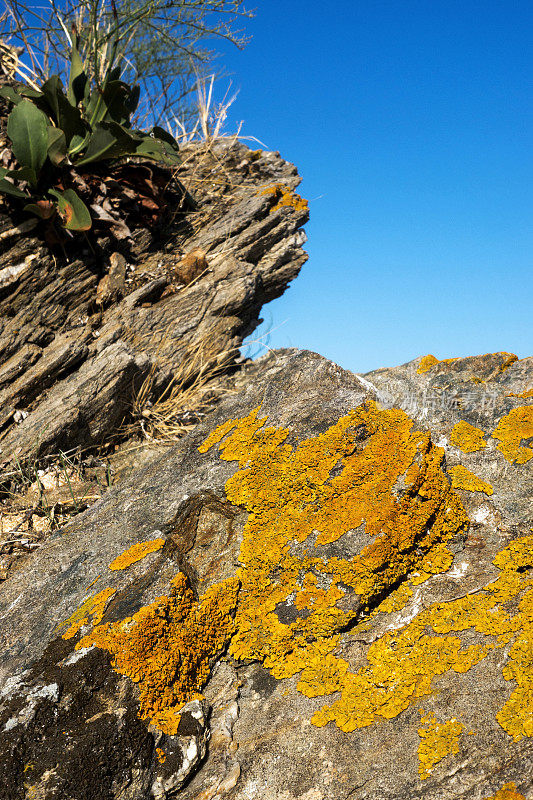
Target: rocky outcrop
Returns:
[324, 591]
[81, 331]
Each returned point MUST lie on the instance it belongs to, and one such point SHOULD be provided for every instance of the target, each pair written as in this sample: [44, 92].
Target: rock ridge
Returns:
[79, 335]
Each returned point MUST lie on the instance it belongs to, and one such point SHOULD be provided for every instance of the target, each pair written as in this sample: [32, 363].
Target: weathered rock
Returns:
[349, 580]
[58, 316]
[83, 408]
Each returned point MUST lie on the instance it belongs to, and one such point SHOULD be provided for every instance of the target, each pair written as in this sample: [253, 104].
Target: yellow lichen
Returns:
[525, 395]
[401, 668]
[135, 553]
[402, 664]
[91, 609]
[516, 716]
[462, 478]
[429, 361]
[295, 502]
[438, 740]
[161, 755]
[507, 792]
[290, 496]
[426, 363]
[467, 437]
[438, 560]
[396, 600]
[285, 196]
[511, 358]
[512, 430]
[516, 556]
[167, 646]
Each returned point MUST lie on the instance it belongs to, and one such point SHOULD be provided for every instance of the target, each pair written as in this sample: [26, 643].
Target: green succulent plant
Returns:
[52, 131]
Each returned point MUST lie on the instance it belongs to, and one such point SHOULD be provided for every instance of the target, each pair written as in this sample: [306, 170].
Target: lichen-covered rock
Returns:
[325, 591]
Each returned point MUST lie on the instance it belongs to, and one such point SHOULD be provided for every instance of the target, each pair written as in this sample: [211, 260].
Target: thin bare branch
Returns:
[160, 43]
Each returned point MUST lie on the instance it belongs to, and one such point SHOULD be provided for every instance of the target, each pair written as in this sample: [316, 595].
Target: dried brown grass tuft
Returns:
[195, 388]
[210, 116]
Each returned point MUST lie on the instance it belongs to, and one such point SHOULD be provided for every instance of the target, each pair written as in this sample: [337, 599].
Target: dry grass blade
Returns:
[210, 117]
[189, 395]
[10, 63]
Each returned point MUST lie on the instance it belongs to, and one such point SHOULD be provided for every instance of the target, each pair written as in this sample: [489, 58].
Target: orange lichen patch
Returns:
[396, 600]
[91, 609]
[285, 196]
[403, 664]
[167, 646]
[429, 361]
[525, 395]
[516, 716]
[511, 358]
[462, 478]
[401, 668]
[426, 363]
[512, 429]
[507, 792]
[135, 553]
[292, 497]
[95, 581]
[516, 556]
[485, 612]
[161, 755]
[438, 740]
[438, 560]
[467, 437]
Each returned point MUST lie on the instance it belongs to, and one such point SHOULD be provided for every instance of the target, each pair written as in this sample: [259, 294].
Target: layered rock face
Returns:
[325, 591]
[80, 334]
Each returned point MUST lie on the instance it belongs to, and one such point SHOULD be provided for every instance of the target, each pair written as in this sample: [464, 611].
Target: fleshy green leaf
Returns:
[77, 85]
[165, 136]
[10, 94]
[57, 146]
[110, 104]
[109, 140]
[133, 100]
[66, 116]
[23, 174]
[114, 74]
[78, 143]
[101, 145]
[150, 148]
[33, 94]
[27, 127]
[8, 188]
[52, 88]
[74, 213]
[42, 208]
[157, 150]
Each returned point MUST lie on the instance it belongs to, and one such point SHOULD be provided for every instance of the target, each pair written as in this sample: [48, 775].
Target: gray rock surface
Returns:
[69, 724]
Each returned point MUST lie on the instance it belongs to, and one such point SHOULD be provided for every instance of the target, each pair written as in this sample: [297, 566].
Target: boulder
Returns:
[323, 592]
[173, 299]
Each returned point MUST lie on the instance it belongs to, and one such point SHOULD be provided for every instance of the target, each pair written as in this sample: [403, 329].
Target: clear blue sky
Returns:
[411, 124]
